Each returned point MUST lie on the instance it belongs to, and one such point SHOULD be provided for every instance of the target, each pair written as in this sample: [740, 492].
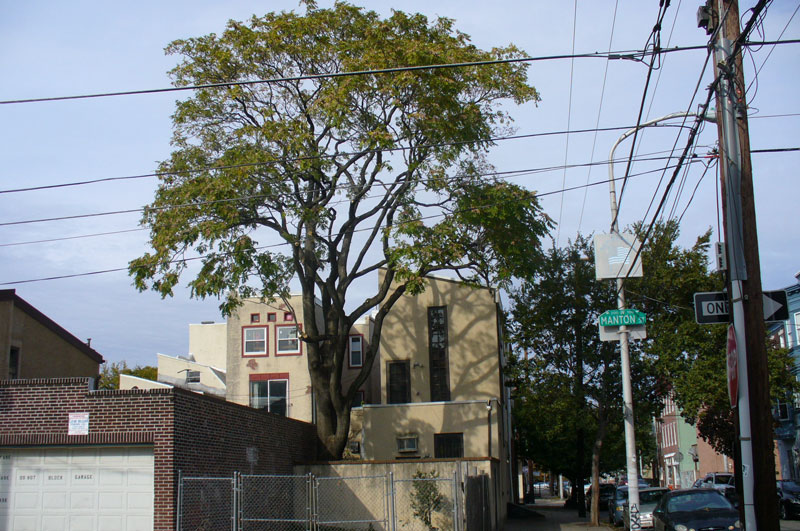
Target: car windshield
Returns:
[722, 480]
[695, 501]
[651, 496]
[791, 486]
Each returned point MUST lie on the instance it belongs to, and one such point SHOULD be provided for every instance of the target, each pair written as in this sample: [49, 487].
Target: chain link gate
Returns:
[310, 503]
[423, 503]
[359, 502]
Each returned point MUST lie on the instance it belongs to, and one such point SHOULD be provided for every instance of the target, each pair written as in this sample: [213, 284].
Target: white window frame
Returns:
[360, 350]
[246, 341]
[278, 332]
[266, 400]
[408, 444]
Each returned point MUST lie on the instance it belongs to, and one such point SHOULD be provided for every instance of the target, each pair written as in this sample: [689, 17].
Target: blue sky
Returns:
[55, 48]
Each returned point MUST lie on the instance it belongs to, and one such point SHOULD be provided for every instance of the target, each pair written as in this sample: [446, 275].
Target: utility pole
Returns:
[757, 462]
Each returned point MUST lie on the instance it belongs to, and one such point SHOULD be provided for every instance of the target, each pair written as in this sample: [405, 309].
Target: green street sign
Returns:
[623, 317]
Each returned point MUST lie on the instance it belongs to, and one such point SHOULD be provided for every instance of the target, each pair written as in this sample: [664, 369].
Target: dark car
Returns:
[606, 491]
[695, 509]
[789, 493]
[616, 505]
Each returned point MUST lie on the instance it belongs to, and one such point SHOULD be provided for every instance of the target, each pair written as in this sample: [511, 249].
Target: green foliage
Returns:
[109, 373]
[567, 382]
[425, 497]
[690, 357]
[349, 174]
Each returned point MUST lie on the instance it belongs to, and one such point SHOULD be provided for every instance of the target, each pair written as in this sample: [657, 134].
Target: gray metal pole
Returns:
[624, 350]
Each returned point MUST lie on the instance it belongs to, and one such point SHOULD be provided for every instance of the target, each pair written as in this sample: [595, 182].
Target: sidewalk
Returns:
[553, 517]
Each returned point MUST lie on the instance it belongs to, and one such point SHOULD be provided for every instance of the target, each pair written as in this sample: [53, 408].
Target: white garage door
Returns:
[76, 489]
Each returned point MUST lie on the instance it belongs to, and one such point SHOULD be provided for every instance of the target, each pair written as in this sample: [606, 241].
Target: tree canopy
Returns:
[288, 167]
[109, 373]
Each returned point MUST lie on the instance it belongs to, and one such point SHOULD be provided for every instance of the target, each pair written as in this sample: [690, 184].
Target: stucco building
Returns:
[34, 346]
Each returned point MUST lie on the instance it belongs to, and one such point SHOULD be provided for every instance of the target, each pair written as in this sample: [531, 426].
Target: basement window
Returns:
[408, 443]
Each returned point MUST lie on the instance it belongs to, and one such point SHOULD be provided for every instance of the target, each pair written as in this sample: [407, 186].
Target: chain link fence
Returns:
[206, 503]
[274, 503]
[352, 502]
[307, 502]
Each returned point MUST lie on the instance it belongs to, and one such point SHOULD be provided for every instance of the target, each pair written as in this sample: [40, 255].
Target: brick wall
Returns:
[189, 432]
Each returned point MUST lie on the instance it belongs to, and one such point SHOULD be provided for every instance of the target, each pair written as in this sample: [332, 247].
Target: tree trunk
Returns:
[598, 445]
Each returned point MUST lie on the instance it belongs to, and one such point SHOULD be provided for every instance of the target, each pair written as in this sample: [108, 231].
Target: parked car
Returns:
[695, 509]
[606, 491]
[715, 480]
[789, 494]
[648, 499]
[616, 504]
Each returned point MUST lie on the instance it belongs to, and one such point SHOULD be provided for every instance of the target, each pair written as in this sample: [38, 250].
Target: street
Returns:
[554, 517]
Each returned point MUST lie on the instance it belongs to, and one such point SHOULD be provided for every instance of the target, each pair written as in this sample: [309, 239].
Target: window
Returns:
[13, 363]
[270, 392]
[255, 317]
[356, 351]
[354, 447]
[797, 329]
[437, 346]
[783, 411]
[192, 376]
[399, 387]
[287, 340]
[255, 341]
[288, 316]
[447, 445]
[271, 317]
[407, 443]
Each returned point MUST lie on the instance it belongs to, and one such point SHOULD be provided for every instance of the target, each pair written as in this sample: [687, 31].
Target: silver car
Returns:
[648, 499]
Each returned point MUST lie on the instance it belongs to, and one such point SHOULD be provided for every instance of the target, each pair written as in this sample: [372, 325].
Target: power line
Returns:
[256, 196]
[655, 34]
[623, 54]
[599, 112]
[569, 116]
[283, 244]
[301, 159]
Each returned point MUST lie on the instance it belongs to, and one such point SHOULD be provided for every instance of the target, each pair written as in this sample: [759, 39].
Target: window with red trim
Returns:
[287, 341]
[255, 317]
[270, 392]
[288, 316]
[254, 341]
[271, 317]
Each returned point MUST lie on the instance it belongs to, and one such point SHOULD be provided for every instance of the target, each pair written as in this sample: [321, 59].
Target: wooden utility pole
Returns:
[744, 275]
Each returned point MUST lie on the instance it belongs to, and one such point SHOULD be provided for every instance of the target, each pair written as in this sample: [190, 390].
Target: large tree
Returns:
[691, 357]
[568, 384]
[352, 173]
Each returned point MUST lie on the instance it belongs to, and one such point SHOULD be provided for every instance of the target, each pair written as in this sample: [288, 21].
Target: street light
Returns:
[625, 364]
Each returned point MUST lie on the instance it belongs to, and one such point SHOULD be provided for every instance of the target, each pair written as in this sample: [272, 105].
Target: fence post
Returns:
[311, 486]
[235, 508]
[456, 522]
[180, 502]
[393, 524]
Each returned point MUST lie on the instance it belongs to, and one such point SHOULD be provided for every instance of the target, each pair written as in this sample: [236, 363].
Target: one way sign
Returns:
[712, 307]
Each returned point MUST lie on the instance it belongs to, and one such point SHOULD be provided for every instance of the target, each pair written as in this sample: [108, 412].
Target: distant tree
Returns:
[109, 373]
[351, 173]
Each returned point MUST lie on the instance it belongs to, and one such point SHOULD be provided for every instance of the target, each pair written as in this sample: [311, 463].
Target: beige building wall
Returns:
[43, 348]
[473, 343]
[208, 342]
[127, 382]
[383, 424]
[173, 370]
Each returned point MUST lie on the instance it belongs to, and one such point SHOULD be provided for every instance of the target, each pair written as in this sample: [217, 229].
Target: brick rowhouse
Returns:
[196, 434]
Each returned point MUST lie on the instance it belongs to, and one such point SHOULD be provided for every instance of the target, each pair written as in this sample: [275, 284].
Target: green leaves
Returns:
[301, 172]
